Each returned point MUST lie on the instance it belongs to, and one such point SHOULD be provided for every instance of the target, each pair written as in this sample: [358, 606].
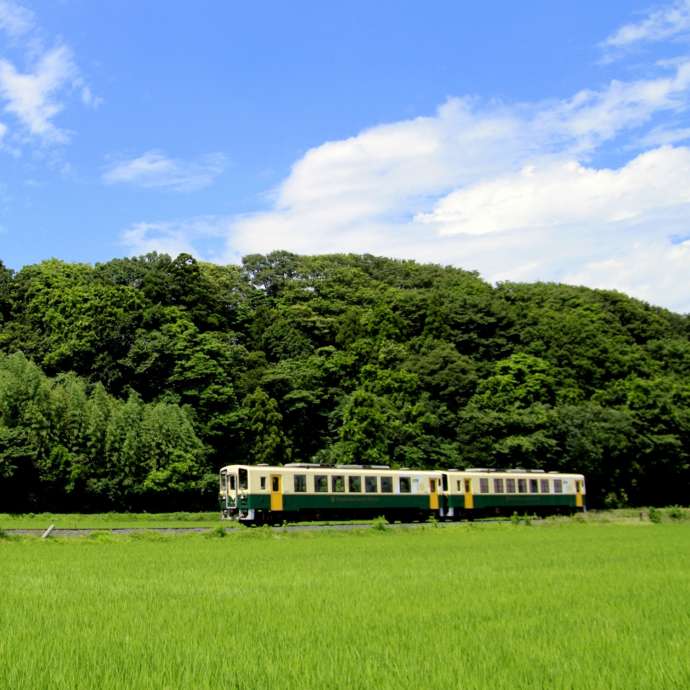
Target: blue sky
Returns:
[529, 141]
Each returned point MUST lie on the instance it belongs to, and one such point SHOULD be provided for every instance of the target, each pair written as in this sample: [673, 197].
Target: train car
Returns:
[261, 493]
[484, 491]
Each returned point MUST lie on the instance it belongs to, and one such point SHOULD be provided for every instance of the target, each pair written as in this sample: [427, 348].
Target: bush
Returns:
[677, 513]
[218, 531]
[654, 515]
[380, 524]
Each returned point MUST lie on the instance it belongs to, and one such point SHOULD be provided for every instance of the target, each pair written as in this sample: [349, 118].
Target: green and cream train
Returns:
[261, 493]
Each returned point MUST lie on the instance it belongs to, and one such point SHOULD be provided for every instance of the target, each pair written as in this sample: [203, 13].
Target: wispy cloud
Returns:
[15, 20]
[175, 237]
[660, 24]
[35, 97]
[155, 169]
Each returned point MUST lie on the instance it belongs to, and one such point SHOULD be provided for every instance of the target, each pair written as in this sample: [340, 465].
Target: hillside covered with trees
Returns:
[127, 384]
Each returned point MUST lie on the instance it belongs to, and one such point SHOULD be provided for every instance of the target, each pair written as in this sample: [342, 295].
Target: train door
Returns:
[469, 498]
[579, 503]
[276, 492]
[433, 493]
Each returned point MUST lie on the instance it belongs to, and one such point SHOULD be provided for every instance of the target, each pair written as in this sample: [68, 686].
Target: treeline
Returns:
[127, 384]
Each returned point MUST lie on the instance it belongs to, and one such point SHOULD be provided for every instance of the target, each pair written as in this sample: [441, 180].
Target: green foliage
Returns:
[129, 383]
[655, 515]
[380, 524]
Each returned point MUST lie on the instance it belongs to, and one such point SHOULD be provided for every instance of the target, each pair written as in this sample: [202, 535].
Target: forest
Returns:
[126, 385]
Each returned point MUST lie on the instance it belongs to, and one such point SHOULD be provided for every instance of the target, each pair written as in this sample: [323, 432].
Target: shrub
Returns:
[379, 524]
[654, 515]
[677, 513]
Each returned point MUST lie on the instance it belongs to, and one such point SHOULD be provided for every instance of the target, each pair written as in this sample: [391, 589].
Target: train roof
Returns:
[313, 466]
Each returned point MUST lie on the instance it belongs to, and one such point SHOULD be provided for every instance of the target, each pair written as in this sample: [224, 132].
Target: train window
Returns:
[244, 478]
[371, 485]
[498, 486]
[558, 486]
[510, 486]
[300, 483]
[405, 485]
[355, 485]
[522, 486]
[275, 484]
[262, 482]
[338, 484]
[223, 482]
[444, 479]
[386, 485]
[483, 485]
[232, 482]
[459, 485]
[533, 486]
[544, 486]
[321, 483]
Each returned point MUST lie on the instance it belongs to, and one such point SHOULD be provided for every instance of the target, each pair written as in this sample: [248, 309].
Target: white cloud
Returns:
[565, 194]
[15, 20]
[32, 97]
[174, 237]
[36, 96]
[510, 190]
[661, 24]
[155, 169]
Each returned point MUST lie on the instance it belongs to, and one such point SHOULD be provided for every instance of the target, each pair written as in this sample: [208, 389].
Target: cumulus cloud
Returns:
[661, 24]
[155, 169]
[566, 193]
[511, 190]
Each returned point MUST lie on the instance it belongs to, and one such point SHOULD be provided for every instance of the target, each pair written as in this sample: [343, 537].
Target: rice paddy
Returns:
[558, 605]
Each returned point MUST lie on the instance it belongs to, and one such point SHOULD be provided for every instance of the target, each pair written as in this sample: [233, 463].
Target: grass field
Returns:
[467, 606]
[108, 520]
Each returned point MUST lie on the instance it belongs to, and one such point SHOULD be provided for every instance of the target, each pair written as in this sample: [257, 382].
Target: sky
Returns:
[530, 141]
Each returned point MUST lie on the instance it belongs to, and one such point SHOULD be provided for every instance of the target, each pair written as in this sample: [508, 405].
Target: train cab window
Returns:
[498, 486]
[262, 483]
[533, 486]
[371, 485]
[354, 485]
[232, 482]
[321, 483]
[483, 485]
[522, 486]
[338, 484]
[300, 483]
[223, 482]
[386, 485]
[405, 485]
[544, 486]
[558, 486]
[243, 478]
[510, 486]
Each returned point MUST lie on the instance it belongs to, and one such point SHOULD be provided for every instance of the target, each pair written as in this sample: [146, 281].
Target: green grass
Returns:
[560, 605]
[109, 520]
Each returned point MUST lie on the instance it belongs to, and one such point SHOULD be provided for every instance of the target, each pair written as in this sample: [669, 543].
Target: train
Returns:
[264, 494]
